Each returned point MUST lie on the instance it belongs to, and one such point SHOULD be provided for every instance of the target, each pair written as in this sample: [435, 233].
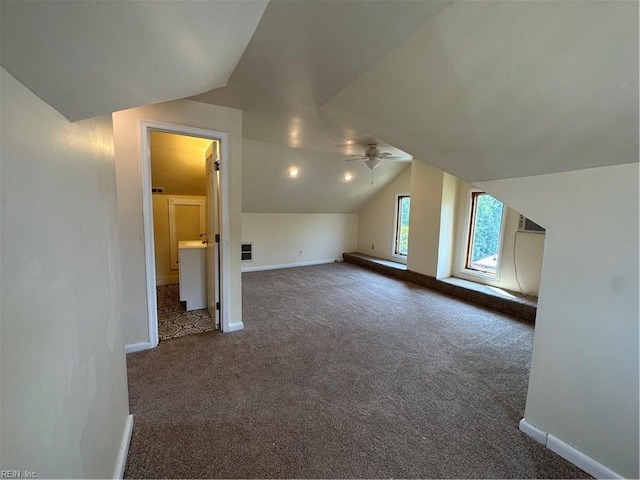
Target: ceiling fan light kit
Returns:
[372, 163]
[373, 156]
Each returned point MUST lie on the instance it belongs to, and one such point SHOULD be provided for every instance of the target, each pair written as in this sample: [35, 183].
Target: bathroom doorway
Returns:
[184, 212]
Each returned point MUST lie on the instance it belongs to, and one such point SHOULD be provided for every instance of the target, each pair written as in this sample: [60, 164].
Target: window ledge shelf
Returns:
[509, 303]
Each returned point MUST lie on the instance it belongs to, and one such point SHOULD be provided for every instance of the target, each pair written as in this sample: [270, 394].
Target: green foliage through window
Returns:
[483, 247]
[402, 226]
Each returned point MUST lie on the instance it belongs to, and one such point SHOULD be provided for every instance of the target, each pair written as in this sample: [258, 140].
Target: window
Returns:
[484, 240]
[401, 242]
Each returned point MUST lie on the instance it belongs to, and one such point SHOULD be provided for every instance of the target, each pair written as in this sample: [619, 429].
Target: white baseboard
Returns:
[121, 462]
[568, 452]
[579, 459]
[167, 280]
[138, 347]
[234, 327]
[288, 265]
[533, 432]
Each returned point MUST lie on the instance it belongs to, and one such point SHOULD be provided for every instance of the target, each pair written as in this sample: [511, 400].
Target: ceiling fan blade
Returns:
[393, 157]
[354, 159]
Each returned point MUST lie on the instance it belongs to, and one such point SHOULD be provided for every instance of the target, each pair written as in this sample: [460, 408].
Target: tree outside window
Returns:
[402, 225]
[483, 246]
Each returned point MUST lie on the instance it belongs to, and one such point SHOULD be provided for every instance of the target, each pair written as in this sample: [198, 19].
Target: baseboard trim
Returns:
[121, 462]
[533, 432]
[288, 265]
[234, 327]
[138, 347]
[567, 452]
[579, 459]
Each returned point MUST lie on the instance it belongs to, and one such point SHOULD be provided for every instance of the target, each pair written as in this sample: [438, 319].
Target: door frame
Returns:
[146, 126]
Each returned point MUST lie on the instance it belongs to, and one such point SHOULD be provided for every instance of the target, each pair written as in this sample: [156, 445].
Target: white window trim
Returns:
[398, 258]
[465, 240]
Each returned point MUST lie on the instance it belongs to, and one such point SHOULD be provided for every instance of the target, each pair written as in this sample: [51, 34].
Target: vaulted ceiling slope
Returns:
[494, 90]
[96, 57]
[319, 186]
[302, 54]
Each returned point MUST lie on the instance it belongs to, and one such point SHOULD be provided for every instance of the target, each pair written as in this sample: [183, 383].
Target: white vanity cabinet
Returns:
[192, 258]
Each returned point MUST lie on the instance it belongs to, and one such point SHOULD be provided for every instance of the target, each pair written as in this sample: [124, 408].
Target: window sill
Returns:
[478, 273]
[399, 258]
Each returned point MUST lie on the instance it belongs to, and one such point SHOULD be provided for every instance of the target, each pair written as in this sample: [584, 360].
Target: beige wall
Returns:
[375, 220]
[164, 274]
[277, 238]
[130, 220]
[583, 386]
[424, 223]
[63, 375]
[177, 163]
[437, 230]
[528, 249]
[446, 243]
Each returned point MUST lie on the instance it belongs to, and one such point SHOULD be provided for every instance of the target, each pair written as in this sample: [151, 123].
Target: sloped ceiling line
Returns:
[93, 58]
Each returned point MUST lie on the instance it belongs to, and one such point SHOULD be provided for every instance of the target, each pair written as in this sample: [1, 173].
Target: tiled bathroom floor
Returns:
[173, 319]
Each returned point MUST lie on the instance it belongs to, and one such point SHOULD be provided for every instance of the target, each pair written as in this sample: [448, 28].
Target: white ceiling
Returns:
[89, 58]
[305, 52]
[319, 188]
[495, 90]
[483, 90]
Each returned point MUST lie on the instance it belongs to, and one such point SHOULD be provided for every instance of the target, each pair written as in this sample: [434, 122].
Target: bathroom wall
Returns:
[177, 163]
[187, 228]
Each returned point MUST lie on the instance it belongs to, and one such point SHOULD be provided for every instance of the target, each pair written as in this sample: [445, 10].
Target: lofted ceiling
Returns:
[305, 52]
[495, 90]
[90, 58]
[319, 186]
[483, 90]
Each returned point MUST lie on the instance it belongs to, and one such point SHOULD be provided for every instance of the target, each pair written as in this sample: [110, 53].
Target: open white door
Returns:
[213, 232]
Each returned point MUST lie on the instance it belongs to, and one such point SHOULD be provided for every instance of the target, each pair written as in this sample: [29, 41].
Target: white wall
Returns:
[527, 247]
[277, 238]
[64, 386]
[375, 220]
[583, 386]
[128, 175]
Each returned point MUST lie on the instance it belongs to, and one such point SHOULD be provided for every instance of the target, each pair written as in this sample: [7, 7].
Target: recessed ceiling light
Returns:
[293, 172]
[347, 177]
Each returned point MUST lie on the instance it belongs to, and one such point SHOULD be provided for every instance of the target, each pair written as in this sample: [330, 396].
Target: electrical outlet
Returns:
[300, 252]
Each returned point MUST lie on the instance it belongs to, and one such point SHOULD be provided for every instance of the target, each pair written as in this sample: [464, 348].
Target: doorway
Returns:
[212, 243]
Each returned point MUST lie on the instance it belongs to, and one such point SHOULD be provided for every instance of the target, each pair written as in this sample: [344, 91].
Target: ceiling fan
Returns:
[373, 156]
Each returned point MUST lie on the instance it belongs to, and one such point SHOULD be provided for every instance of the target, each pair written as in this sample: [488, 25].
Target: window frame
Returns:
[472, 194]
[402, 258]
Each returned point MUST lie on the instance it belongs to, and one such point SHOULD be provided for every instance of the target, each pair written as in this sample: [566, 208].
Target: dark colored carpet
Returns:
[339, 373]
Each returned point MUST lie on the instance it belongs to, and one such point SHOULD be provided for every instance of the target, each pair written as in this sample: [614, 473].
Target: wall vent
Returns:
[527, 226]
[247, 252]
[157, 189]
